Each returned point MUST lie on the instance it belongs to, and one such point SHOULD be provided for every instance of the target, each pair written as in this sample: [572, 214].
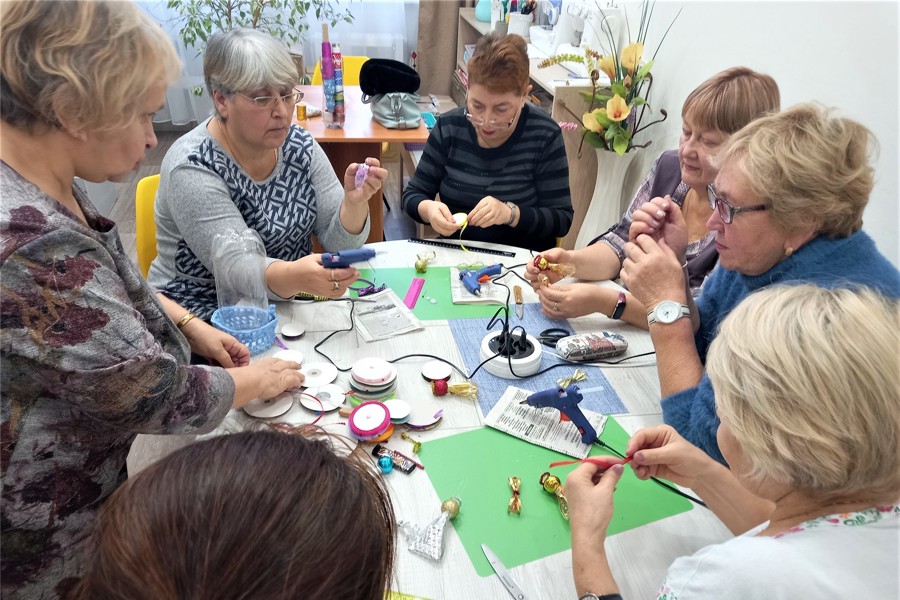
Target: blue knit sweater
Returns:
[831, 263]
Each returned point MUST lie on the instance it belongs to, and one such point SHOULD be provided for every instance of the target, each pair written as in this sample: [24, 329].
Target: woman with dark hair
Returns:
[253, 514]
[498, 159]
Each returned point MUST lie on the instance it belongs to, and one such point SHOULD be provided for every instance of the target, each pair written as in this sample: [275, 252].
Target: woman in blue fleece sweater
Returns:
[789, 199]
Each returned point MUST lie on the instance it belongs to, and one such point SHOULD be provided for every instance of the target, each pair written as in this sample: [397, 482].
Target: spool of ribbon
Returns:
[467, 389]
[552, 485]
[515, 503]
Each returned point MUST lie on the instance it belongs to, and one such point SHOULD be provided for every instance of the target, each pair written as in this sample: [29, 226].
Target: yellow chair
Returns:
[145, 222]
[352, 65]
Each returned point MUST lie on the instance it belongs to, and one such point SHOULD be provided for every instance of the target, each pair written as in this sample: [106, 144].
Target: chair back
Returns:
[352, 65]
[145, 222]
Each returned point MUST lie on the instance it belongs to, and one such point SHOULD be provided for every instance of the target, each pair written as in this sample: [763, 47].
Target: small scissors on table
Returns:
[549, 337]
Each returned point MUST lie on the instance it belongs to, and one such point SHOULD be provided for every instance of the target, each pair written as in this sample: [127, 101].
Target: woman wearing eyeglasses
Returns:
[788, 203]
[499, 160]
[711, 113]
[248, 167]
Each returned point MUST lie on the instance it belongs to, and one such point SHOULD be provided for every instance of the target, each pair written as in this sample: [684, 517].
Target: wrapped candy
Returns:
[577, 376]
[422, 261]
[361, 173]
[552, 485]
[416, 445]
[467, 389]
[561, 269]
[429, 541]
[515, 503]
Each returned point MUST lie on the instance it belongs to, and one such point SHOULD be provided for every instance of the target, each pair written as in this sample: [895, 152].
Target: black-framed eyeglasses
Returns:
[493, 123]
[269, 101]
[727, 210]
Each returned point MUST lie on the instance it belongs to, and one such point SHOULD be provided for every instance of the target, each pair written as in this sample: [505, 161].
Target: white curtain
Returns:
[380, 29]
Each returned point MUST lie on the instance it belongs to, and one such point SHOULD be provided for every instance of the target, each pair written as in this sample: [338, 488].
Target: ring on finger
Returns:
[337, 286]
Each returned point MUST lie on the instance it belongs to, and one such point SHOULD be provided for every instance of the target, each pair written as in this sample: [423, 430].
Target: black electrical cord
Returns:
[668, 486]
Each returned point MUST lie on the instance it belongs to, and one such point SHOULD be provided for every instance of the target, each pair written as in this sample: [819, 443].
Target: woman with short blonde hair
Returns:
[808, 386]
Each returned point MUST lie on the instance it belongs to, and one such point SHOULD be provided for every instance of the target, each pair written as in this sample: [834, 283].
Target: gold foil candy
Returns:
[552, 485]
[515, 503]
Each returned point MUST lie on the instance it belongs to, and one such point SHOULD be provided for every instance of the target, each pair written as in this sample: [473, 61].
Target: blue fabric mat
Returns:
[468, 334]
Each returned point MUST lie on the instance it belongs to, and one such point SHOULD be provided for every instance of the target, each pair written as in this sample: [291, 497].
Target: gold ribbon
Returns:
[515, 503]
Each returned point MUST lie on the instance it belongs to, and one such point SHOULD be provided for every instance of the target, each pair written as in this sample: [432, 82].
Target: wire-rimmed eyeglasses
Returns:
[727, 210]
[269, 101]
[493, 123]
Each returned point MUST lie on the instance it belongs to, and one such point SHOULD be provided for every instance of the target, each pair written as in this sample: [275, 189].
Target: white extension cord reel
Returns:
[523, 354]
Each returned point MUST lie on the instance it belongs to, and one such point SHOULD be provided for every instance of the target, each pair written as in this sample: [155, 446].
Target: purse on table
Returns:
[390, 88]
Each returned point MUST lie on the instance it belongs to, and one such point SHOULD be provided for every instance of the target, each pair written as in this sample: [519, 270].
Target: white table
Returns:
[639, 557]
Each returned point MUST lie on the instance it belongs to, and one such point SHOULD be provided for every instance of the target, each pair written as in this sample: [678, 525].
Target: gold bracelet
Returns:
[185, 320]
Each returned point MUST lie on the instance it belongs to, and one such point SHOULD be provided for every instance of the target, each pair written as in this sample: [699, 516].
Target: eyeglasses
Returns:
[493, 123]
[727, 210]
[270, 101]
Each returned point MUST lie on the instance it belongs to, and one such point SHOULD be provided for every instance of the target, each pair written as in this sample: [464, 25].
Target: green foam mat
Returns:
[437, 286]
[476, 465]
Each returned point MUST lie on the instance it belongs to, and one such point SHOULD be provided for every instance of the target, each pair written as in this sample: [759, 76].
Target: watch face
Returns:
[668, 312]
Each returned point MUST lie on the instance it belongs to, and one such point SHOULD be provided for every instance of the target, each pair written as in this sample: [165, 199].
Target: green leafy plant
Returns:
[282, 19]
[614, 124]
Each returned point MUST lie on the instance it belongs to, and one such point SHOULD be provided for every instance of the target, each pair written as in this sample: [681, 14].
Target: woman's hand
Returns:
[215, 345]
[374, 181]
[589, 490]
[554, 255]
[652, 272]
[311, 277]
[567, 301]
[661, 219]
[488, 212]
[265, 378]
[438, 216]
[661, 452]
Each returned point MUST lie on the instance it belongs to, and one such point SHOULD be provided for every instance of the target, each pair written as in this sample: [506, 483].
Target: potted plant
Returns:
[282, 19]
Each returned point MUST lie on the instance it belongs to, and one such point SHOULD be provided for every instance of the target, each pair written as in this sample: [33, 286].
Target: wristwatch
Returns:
[592, 596]
[620, 307]
[667, 311]
[512, 212]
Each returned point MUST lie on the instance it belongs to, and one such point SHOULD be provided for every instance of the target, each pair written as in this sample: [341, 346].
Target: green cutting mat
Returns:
[476, 465]
[437, 286]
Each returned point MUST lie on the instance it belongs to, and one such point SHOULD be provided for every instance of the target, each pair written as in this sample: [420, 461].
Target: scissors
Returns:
[549, 337]
[511, 586]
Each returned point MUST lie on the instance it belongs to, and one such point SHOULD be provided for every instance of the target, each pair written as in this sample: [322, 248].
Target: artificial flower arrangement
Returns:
[614, 124]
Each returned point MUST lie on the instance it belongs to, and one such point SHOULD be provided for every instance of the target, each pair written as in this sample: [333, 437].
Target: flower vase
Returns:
[605, 208]
[483, 11]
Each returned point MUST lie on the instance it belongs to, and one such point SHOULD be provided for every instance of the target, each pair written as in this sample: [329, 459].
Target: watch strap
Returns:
[512, 213]
[592, 596]
[620, 307]
[683, 308]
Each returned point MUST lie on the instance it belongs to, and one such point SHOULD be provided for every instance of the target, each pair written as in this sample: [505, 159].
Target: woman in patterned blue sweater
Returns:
[498, 159]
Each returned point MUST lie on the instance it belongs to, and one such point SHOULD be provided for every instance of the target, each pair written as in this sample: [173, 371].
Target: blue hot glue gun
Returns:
[566, 402]
[470, 278]
[345, 258]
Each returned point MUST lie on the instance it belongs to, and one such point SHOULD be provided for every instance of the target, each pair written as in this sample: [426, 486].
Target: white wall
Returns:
[841, 54]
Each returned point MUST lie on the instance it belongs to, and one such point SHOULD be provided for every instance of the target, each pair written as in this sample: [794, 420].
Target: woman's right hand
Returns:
[315, 279]
[661, 452]
[438, 216]
[264, 378]
[554, 255]
[661, 218]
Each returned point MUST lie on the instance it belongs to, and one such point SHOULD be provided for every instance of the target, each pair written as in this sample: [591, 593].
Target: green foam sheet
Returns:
[437, 286]
[475, 466]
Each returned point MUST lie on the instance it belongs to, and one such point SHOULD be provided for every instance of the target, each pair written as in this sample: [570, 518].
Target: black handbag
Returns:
[390, 87]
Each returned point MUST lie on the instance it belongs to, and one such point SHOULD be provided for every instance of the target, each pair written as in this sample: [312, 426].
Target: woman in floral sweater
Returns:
[91, 356]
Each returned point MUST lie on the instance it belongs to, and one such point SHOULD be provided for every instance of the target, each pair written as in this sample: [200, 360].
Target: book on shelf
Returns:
[468, 51]
[540, 426]
[463, 77]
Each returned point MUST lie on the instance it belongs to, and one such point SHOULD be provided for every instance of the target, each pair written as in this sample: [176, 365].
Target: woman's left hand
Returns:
[214, 344]
[589, 490]
[374, 181]
[651, 271]
[489, 211]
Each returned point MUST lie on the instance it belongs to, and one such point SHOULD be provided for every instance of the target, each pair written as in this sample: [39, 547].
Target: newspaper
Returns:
[491, 293]
[540, 426]
[384, 318]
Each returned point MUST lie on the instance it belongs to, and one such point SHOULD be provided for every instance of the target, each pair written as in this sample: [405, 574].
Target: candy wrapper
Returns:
[561, 269]
[467, 389]
[552, 485]
[515, 503]
[429, 541]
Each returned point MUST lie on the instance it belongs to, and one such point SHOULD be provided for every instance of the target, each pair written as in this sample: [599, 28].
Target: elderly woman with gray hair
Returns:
[248, 167]
[806, 384]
